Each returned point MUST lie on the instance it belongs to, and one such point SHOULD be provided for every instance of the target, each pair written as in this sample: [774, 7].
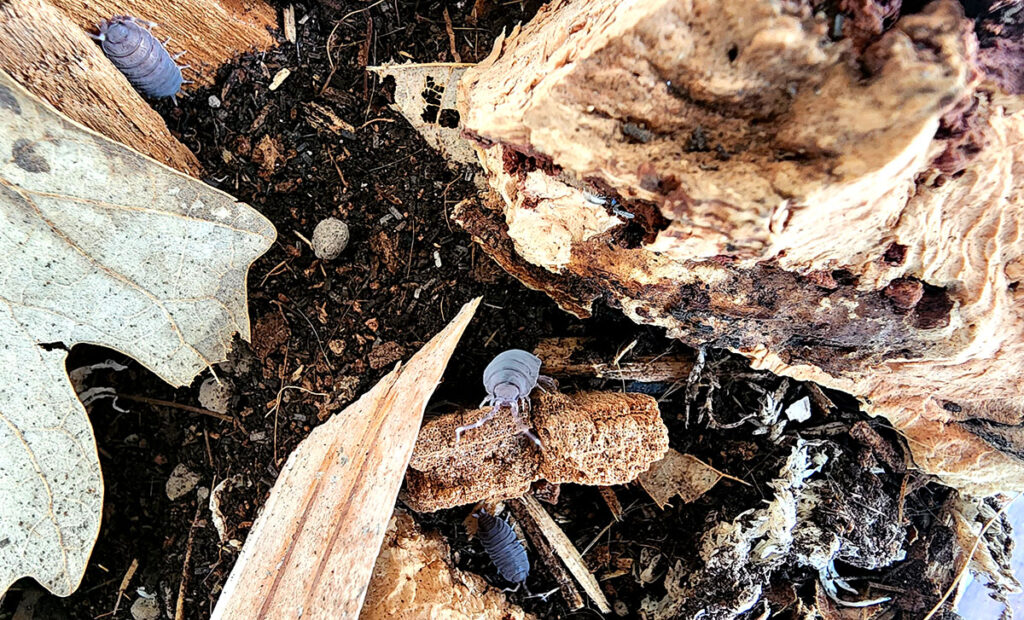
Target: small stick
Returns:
[289, 23]
[610, 498]
[970, 556]
[562, 546]
[451, 35]
[572, 596]
[173, 405]
[179, 607]
[124, 584]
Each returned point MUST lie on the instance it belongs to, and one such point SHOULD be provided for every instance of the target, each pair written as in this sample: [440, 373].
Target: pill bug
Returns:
[137, 54]
[509, 379]
[503, 547]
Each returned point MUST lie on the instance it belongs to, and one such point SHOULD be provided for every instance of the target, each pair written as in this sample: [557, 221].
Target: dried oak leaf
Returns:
[100, 245]
[425, 95]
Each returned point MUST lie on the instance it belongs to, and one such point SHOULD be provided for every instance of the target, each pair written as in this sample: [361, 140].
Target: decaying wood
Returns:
[597, 438]
[845, 214]
[211, 32]
[566, 551]
[547, 555]
[58, 63]
[313, 546]
[414, 578]
[574, 357]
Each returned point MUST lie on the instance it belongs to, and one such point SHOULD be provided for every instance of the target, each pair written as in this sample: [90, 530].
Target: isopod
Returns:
[137, 54]
[509, 379]
[503, 547]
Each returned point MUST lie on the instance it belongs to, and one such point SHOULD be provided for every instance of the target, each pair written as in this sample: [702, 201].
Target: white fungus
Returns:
[330, 237]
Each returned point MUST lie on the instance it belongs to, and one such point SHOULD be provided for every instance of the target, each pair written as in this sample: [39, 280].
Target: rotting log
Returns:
[845, 212]
[59, 63]
[211, 32]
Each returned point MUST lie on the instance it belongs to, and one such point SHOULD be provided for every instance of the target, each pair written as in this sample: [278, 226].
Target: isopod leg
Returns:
[477, 424]
[523, 421]
[546, 383]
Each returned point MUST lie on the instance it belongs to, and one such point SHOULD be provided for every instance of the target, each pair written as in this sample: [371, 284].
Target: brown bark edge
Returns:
[212, 32]
[57, 62]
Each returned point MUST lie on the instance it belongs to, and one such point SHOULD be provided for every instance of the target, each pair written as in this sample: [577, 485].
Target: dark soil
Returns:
[334, 328]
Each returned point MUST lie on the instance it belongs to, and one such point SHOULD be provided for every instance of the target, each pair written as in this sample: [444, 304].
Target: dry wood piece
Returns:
[414, 579]
[787, 196]
[541, 544]
[679, 474]
[572, 357]
[312, 548]
[58, 63]
[212, 32]
[598, 438]
[566, 551]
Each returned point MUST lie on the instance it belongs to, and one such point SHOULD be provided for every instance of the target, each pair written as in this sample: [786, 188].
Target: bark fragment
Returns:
[414, 578]
[831, 238]
[597, 438]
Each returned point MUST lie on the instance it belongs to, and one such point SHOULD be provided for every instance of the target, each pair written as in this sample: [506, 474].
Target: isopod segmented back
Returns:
[137, 54]
[503, 547]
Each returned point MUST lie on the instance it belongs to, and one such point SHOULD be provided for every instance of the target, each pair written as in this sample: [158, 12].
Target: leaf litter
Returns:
[101, 245]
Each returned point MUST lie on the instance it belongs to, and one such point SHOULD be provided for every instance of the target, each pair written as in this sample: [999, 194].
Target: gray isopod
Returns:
[137, 54]
[509, 379]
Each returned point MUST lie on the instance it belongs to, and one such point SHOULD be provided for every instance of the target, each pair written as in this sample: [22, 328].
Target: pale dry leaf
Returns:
[100, 245]
[425, 94]
[312, 549]
[678, 474]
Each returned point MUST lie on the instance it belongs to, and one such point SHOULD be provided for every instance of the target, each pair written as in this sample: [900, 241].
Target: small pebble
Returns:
[145, 609]
[330, 237]
[182, 481]
[216, 395]
[213, 101]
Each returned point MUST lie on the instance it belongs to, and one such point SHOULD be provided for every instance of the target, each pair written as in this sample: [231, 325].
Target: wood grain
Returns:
[59, 63]
[312, 549]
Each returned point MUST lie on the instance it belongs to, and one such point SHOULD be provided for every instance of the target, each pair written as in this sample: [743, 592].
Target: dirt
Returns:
[323, 332]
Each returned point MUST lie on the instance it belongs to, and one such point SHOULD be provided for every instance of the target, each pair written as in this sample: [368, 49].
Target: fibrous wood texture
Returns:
[596, 438]
[414, 578]
[212, 32]
[311, 551]
[843, 211]
[56, 61]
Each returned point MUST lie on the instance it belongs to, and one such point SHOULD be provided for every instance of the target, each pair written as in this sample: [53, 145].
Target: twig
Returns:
[566, 551]
[614, 505]
[124, 584]
[970, 556]
[173, 405]
[572, 596]
[451, 35]
[179, 607]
